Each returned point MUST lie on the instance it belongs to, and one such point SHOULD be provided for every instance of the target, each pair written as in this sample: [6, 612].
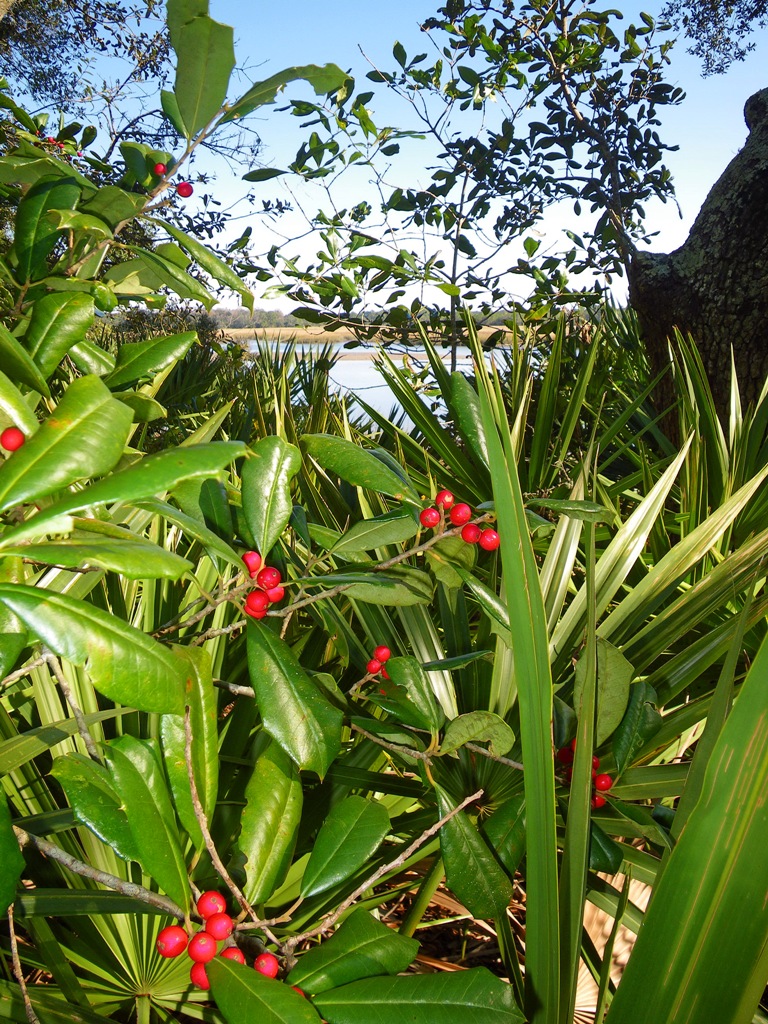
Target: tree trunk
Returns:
[715, 286]
[5, 6]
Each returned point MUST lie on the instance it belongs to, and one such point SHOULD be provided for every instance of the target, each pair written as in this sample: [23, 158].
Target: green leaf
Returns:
[474, 997]
[146, 358]
[22, 749]
[472, 872]
[124, 663]
[604, 853]
[11, 860]
[140, 781]
[155, 272]
[179, 12]
[263, 174]
[391, 528]
[114, 205]
[35, 235]
[270, 823]
[171, 110]
[19, 364]
[325, 79]
[505, 831]
[464, 407]
[206, 57]
[400, 585]
[209, 261]
[83, 437]
[351, 833]
[131, 557]
[640, 723]
[13, 407]
[89, 358]
[266, 479]
[361, 948]
[443, 557]
[408, 673]
[478, 726]
[143, 409]
[244, 996]
[200, 698]
[587, 511]
[293, 710]
[95, 802]
[58, 322]
[614, 673]
[358, 466]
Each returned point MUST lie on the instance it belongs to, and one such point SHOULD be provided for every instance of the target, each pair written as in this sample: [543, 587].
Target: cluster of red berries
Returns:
[12, 439]
[376, 664]
[601, 783]
[459, 515]
[268, 581]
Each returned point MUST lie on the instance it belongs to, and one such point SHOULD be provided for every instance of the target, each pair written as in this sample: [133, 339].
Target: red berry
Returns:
[159, 169]
[595, 761]
[297, 989]
[373, 666]
[184, 189]
[268, 964]
[50, 139]
[384, 673]
[603, 782]
[199, 976]
[565, 755]
[489, 540]
[202, 947]
[172, 941]
[219, 926]
[443, 499]
[568, 774]
[573, 744]
[382, 653]
[210, 903]
[275, 594]
[460, 514]
[233, 953]
[252, 560]
[598, 801]
[256, 603]
[430, 517]
[267, 578]
[12, 438]
[471, 533]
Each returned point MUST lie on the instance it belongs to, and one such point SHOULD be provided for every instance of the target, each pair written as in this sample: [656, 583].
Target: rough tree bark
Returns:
[715, 286]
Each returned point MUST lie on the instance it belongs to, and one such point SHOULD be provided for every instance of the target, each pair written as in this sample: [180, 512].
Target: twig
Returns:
[397, 748]
[330, 920]
[137, 892]
[494, 757]
[226, 593]
[211, 633]
[82, 727]
[202, 821]
[31, 1015]
[238, 691]
[21, 672]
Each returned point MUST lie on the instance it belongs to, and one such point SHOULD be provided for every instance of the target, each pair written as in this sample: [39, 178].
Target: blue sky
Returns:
[708, 127]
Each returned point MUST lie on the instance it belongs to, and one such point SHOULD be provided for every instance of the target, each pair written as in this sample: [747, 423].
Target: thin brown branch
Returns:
[29, 1009]
[330, 920]
[82, 726]
[396, 747]
[12, 677]
[137, 892]
[493, 757]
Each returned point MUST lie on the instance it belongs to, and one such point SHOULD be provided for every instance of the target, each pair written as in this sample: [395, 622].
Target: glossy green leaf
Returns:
[124, 663]
[146, 358]
[587, 511]
[114, 205]
[205, 59]
[266, 478]
[95, 802]
[505, 831]
[400, 585]
[170, 106]
[356, 465]
[140, 781]
[361, 948]
[89, 358]
[83, 437]
[408, 673]
[17, 362]
[472, 872]
[158, 272]
[244, 996]
[200, 698]
[192, 527]
[640, 723]
[465, 409]
[351, 833]
[35, 234]
[144, 409]
[474, 997]
[391, 528]
[614, 673]
[444, 556]
[58, 322]
[131, 557]
[325, 79]
[710, 899]
[604, 853]
[270, 823]
[293, 710]
[478, 727]
[179, 12]
[13, 407]
[11, 860]
[209, 262]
